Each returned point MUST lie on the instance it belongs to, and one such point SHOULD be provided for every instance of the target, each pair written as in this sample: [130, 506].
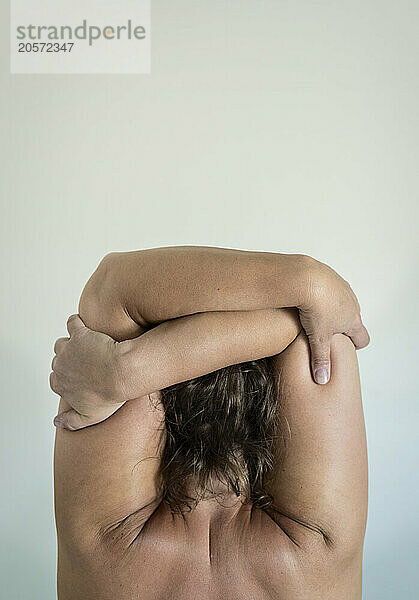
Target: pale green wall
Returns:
[275, 125]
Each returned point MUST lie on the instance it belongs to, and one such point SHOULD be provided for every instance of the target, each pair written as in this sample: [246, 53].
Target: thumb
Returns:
[320, 360]
[74, 324]
[72, 420]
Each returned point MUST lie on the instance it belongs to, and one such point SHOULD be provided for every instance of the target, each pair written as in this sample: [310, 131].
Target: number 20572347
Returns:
[45, 47]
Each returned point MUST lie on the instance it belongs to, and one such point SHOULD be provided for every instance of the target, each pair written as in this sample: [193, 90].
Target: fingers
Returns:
[72, 420]
[359, 335]
[58, 347]
[53, 383]
[74, 324]
[320, 360]
[59, 344]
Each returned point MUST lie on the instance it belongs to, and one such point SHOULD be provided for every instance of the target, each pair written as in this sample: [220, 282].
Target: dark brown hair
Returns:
[222, 426]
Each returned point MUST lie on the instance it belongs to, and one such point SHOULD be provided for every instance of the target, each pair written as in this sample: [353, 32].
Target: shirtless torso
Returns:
[223, 553]
[117, 541]
[223, 548]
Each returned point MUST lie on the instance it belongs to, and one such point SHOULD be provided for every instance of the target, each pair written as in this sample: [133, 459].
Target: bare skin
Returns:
[116, 540]
[132, 292]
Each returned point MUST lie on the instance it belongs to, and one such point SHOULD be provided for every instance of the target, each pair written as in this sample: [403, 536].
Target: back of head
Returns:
[220, 427]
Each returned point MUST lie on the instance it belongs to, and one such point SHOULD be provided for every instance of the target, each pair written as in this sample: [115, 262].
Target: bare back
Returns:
[309, 546]
[231, 554]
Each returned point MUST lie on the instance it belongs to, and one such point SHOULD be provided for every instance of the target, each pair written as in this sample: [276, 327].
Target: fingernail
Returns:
[58, 422]
[321, 375]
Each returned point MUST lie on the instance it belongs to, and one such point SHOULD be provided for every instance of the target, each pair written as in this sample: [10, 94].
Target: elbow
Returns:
[102, 305]
[98, 281]
[92, 307]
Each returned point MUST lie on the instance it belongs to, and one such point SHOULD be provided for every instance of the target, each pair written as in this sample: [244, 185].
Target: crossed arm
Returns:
[180, 313]
[170, 296]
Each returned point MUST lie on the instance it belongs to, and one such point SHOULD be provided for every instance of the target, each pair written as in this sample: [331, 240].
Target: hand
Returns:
[330, 307]
[85, 375]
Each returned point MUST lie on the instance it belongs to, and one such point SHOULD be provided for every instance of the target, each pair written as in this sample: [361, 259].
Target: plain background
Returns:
[273, 125]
